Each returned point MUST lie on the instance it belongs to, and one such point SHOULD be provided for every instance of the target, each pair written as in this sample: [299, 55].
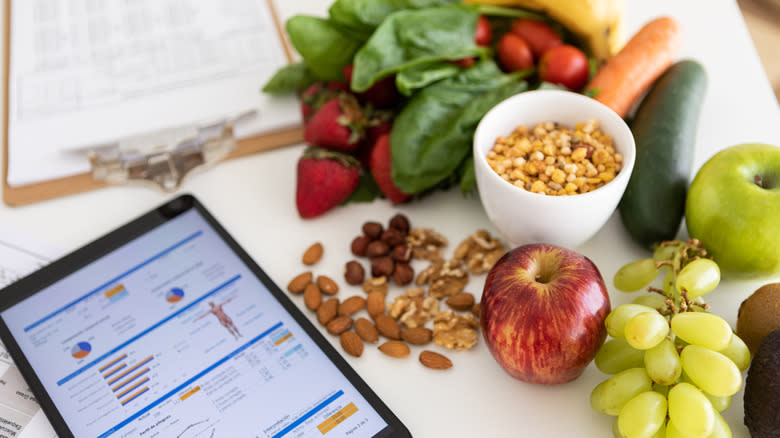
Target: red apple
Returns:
[543, 311]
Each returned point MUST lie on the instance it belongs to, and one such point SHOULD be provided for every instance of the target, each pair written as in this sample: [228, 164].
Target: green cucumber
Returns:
[664, 129]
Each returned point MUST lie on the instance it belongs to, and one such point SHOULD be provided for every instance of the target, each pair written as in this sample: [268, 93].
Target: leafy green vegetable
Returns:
[362, 17]
[290, 79]
[366, 191]
[468, 176]
[501, 11]
[433, 133]
[324, 47]
[413, 37]
[410, 80]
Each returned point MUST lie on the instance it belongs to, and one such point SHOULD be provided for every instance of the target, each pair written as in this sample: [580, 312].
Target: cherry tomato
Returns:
[564, 65]
[514, 53]
[539, 35]
[483, 34]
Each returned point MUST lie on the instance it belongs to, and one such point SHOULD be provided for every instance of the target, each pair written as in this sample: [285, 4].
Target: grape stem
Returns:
[678, 302]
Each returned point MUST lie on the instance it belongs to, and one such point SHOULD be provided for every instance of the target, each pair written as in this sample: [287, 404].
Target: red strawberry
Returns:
[325, 180]
[339, 124]
[319, 93]
[381, 165]
[383, 94]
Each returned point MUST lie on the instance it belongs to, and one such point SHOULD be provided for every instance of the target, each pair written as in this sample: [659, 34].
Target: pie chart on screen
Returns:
[80, 350]
[174, 295]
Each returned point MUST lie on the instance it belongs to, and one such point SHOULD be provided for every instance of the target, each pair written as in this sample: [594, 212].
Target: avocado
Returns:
[762, 389]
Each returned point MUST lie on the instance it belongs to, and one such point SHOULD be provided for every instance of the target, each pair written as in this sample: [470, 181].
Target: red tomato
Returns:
[564, 65]
[539, 35]
[514, 53]
[483, 34]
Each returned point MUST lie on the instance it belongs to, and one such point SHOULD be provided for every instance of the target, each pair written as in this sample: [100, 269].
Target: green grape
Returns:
[615, 429]
[703, 329]
[646, 330]
[665, 252]
[663, 363]
[738, 352]
[698, 277]
[720, 429]
[661, 389]
[643, 415]
[711, 371]
[690, 411]
[619, 316]
[609, 396]
[616, 355]
[720, 404]
[672, 431]
[635, 275]
[668, 284]
[656, 301]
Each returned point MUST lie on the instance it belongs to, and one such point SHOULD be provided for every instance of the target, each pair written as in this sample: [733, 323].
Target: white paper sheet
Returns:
[20, 414]
[92, 72]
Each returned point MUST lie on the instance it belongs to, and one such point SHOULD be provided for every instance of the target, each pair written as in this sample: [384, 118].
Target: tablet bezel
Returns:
[57, 270]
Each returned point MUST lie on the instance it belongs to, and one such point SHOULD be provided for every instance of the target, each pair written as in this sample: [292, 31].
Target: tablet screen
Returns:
[173, 335]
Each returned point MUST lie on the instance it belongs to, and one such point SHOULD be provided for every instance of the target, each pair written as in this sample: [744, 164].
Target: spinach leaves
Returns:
[414, 37]
[290, 79]
[432, 136]
[325, 48]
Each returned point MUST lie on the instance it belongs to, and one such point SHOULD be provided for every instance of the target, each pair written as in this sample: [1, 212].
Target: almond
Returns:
[312, 297]
[299, 283]
[375, 303]
[475, 309]
[351, 343]
[435, 360]
[461, 301]
[417, 335]
[387, 326]
[327, 311]
[395, 349]
[366, 330]
[327, 285]
[351, 305]
[313, 254]
[339, 325]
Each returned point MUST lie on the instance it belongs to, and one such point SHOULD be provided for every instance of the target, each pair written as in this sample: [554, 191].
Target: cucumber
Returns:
[664, 129]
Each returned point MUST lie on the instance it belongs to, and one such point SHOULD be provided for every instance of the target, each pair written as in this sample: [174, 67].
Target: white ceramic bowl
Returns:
[526, 217]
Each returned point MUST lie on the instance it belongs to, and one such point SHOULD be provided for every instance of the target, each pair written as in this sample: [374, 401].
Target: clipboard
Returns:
[59, 187]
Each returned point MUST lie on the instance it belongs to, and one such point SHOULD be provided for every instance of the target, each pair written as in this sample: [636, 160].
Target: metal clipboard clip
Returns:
[164, 158]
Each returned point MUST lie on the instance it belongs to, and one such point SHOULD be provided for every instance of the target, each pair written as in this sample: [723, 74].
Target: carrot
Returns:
[625, 76]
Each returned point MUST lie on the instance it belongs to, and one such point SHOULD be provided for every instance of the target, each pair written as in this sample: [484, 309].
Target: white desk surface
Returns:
[254, 198]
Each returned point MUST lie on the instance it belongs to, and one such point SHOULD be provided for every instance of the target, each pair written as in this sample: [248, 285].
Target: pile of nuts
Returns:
[553, 159]
[402, 320]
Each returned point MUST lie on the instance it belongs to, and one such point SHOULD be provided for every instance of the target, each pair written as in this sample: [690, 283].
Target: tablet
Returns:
[167, 328]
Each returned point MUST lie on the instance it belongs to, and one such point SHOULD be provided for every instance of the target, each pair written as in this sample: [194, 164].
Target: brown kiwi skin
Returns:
[762, 390]
[759, 315]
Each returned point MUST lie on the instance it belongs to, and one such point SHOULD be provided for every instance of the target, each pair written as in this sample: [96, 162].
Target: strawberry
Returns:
[319, 93]
[339, 125]
[325, 180]
[383, 94]
[380, 164]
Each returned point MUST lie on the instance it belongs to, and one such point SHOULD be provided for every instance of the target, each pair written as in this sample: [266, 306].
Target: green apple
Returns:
[733, 208]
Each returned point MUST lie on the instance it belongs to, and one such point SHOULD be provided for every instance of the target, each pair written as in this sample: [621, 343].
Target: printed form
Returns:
[87, 73]
[20, 415]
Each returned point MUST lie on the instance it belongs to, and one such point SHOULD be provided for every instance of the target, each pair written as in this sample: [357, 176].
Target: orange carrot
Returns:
[627, 75]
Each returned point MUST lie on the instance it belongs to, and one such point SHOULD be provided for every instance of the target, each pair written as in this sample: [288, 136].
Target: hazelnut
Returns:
[401, 253]
[354, 273]
[373, 230]
[382, 266]
[400, 223]
[393, 237]
[403, 274]
[359, 245]
[377, 248]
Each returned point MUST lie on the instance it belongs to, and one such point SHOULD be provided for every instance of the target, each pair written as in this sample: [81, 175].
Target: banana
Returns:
[598, 24]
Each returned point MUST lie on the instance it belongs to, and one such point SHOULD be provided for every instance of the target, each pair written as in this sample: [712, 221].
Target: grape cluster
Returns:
[675, 366]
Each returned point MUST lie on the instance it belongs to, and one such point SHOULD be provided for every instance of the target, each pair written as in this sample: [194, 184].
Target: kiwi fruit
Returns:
[759, 315]
[762, 389]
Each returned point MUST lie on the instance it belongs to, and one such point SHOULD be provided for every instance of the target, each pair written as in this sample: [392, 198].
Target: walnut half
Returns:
[455, 331]
[413, 308]
[480, 251]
